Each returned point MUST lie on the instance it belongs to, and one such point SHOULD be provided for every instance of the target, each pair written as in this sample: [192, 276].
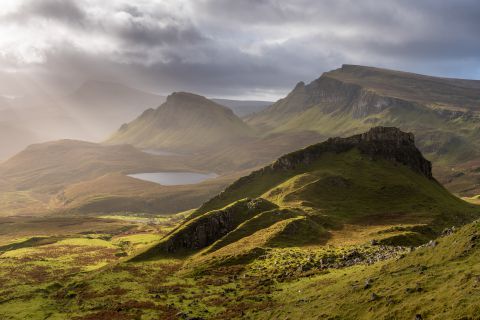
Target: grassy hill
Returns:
[352, 228]
[185, 122]
[356, 187]
[53, 165]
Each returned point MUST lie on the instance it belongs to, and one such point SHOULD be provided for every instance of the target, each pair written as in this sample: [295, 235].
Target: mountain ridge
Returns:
[441, 112]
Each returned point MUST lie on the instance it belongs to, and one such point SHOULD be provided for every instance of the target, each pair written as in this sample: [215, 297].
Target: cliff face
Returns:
[332, 96]
[204, 230]
[378, 143]
[352, 99]
[307, 183]
[387, 143]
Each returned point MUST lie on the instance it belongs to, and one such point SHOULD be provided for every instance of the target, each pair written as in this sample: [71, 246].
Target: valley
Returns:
[283, 241]
[239, 160]
[342, 200]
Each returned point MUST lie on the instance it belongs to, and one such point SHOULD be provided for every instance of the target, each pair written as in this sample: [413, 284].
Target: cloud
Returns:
[64, 11]
[251, 48]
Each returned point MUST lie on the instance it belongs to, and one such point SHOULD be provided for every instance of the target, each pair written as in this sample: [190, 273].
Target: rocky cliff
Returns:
[443, 113]
[206, 229]
[387, 143]
[378, 143]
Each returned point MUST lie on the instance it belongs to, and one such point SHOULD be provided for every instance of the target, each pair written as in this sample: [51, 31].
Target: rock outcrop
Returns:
[380, 142]
[387, 143]
[206, 229]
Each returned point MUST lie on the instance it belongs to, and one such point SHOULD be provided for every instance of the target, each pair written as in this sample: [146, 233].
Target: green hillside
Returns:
[351, 228]
[185, 122]
[345, 187]
[443, 113]
[437, 281]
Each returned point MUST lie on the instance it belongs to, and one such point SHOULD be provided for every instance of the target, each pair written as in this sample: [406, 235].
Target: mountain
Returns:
[103, 106]
[243, 108]
[443, 113]
[344, 187]
[186, 122]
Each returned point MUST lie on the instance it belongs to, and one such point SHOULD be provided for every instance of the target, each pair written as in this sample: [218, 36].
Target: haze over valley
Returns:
[239, 160]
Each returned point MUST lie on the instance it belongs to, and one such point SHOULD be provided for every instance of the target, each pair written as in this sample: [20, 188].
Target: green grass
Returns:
[438, 282]
[317, 201]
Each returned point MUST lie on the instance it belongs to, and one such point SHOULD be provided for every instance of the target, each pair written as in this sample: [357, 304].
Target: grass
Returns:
[81, 277]
[438, 282]
[337, 198]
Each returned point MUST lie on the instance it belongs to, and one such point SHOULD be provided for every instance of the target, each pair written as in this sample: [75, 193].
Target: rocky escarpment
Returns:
[206, 229]
[387, 143]
[333, 96]
[378, 143]
[336, 96]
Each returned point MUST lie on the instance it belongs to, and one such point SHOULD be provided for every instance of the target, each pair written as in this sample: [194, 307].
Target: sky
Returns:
[250, 49]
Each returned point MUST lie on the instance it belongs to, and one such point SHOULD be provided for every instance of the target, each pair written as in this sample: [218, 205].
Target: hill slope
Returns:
[86, 177]
[443, 113]
[319, 194]
[185, 122]
[438, 281]
[52, 165]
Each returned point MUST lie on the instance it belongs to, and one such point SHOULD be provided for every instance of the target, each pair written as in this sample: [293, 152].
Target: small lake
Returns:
[174, 178]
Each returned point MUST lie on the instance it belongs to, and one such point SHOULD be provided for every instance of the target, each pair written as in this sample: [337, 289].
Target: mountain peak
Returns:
[194, 101]
[186, 121]
[185, 96]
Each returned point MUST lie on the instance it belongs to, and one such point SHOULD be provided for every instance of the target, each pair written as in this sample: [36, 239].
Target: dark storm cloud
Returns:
[66, 11]
[253, 47]
[144, 34]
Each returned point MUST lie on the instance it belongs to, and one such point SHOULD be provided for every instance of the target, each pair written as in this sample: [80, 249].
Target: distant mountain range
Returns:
[443, 113]
[91, 112]
[203, 135]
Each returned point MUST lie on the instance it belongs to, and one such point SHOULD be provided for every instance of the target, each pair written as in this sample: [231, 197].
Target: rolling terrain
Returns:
[378, 178]
[443, 114]
[84, 177]
[351, 228]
